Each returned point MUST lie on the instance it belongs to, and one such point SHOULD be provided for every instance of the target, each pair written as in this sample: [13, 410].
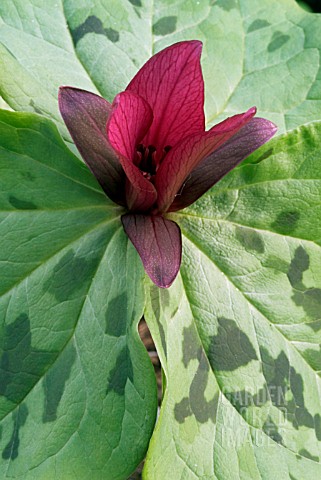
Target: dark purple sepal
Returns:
[252, 136]
[158, 242]
[184, 157]
[85, 115]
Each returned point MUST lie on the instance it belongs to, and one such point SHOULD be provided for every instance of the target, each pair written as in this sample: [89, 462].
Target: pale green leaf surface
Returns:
[77, 390]
[264, 53]
[239, 332]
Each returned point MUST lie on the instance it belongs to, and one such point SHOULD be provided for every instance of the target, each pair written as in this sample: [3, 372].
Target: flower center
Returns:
[148, 159]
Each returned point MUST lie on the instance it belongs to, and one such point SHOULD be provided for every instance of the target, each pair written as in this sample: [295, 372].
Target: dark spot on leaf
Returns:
[20, 204]
[190, 340]
[317, 426]
[19, 416]
[54, 383]
[163, 338]
[202, 409]
[21, 365]
[116, 316]
[196, 404]
[112, 34]
[230, 348]
[182, 410]
[165, 26]
[226, 5]
[35, 108]
[156, 301]
[286, 222]
[299, 264]
[250, 239]
[136, 3]
[276, 373]
[94, 25]
[257, 25]
[270, 429]
[281, 380]
[277, 41]
[122, 372]
[302, 415]
[71, 275]
[308, 298]
[308, 455]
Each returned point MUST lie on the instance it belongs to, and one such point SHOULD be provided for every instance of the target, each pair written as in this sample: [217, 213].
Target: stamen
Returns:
[148, 159]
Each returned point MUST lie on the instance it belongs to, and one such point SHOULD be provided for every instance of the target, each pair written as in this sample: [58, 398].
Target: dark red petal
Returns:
[85, 115]
[159, 244]
[184, 157]
[257, 132]
[172, 83]
[130, 119]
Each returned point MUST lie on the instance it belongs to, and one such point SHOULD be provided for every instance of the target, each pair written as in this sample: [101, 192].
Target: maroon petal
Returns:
[184, 157]
[130, 119]
[159, 244]
[172, 83]
[85, 115]
[257, 132]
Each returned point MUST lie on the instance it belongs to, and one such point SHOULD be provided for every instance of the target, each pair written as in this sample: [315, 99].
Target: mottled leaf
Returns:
[77, 390]
[239, 332]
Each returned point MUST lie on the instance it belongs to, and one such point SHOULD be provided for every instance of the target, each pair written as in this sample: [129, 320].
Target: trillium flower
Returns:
[150, 152]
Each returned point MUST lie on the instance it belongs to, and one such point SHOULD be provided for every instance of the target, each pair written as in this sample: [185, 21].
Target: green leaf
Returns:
[77, 389]
[263, 53]
[239, 332]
